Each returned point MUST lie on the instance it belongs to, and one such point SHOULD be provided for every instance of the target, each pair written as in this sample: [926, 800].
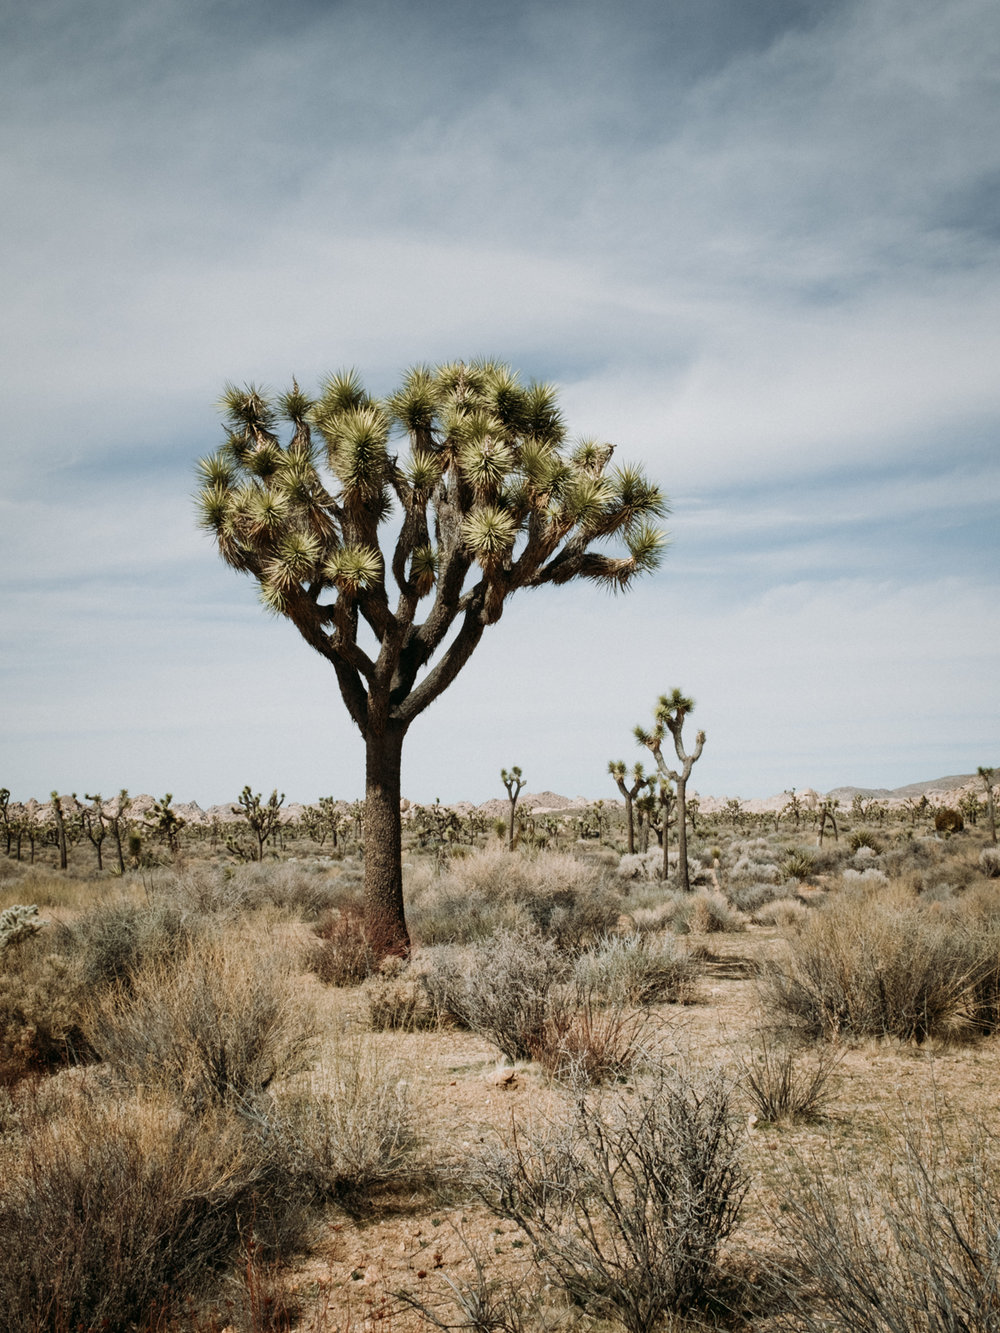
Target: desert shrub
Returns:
[708, 914]
[499, 988]
[636, 969]
[343, 956]
[110, 1210]
[788, 913]
[585, 1043]
[989, 862]
[304, 889]
[909, 1245]
[799, 864]
[782, 1084]
[866, 968]
[115, 940]
[351, 1129]
[829, 858]
[441, 915]
[41, 1012]
[871, 877]
[864, 837]
[948, 821]
[751, 897]
[398, 1001]
[219, 1027]
[627, 1201]
[492, 890]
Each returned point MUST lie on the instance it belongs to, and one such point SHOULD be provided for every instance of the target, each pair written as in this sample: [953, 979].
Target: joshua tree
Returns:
[617, 770]
[988, 776]
[262, 816]
[827, 815]
[513, 781]
[118, 822]
[166, 821]
[483, 498]
[793, 807]
[669, 715]
[4, 821]
[60, 827]
[95, 825]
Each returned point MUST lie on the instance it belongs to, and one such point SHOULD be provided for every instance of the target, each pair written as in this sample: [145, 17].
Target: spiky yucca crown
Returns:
[474, 466]
[480, 443]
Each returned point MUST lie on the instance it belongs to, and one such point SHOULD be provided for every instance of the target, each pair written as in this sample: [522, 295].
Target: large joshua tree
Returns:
[452, 492]
[669, 715]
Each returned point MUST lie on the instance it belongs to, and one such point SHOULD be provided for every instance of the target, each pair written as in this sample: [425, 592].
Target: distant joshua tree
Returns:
[262, 817]
[988, 776]
[480, 497]
[513, 782]
[617, 770]
[669, 715]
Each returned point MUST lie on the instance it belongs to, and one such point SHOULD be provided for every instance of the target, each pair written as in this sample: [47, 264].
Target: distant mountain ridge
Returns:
[952, 783]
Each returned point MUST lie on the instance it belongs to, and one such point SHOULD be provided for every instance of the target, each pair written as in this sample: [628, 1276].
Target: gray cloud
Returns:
[757, 246]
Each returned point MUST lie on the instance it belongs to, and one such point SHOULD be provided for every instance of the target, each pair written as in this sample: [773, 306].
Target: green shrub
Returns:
[799, 864]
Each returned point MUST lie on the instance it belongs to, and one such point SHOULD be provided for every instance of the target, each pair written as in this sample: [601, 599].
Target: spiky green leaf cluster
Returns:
[472, 470]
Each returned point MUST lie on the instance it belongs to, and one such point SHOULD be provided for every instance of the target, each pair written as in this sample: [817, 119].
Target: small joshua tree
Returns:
[262, 817]
[95, 825]
[617, 770]
[827, 815]
[442, 499]
[988, 775]
[513, 781]
[60, 827]
[669, 715]
[166, 821]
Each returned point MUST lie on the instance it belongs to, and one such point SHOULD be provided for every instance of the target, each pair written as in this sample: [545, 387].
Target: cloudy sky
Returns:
[756, 246]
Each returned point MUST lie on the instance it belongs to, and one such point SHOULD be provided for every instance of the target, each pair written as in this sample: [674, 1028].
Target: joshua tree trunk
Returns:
[385, 921]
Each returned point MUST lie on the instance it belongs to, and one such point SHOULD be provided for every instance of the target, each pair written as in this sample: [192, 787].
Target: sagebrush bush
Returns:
[499, 988]
[637, 969]
[788, 913]
[343, 956]
[217, 1027]
[863, 967]
[398, 1001]
[350, 1129]
[112, 1210]
[751, 897]
[115, 940]
[491, 890]
[911, 1245]
[42, 1024]
[709, 913]
[989, 862]
[627, 1200]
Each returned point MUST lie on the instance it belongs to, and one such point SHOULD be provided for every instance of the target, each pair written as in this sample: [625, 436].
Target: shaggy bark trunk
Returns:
[682, 842]
[385, 922]
[629, 825]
